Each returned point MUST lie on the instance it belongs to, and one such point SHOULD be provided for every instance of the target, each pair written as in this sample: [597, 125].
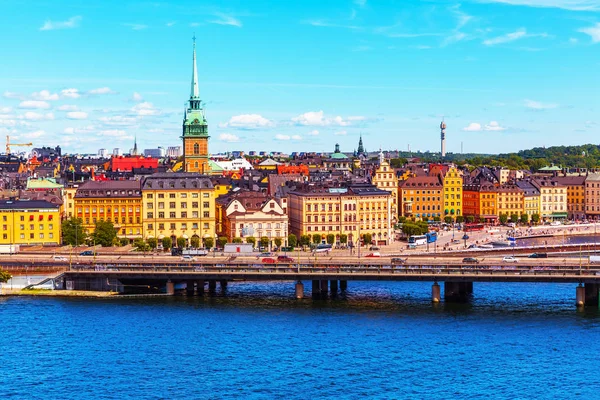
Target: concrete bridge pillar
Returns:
[200, 287]
[212, 285]
[333, 286]
[436, 293]
[343, 285]
[299, 290]
[316, 288]
[458, 291]
[189, 288]
[580, 296]
[591, 294]
[170, 288]
[324, 286]
[223, 284]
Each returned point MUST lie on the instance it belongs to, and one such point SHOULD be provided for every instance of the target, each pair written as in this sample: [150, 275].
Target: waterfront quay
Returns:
[328, 277]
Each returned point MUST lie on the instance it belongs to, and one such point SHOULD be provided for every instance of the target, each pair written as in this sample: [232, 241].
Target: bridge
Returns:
[331, 275]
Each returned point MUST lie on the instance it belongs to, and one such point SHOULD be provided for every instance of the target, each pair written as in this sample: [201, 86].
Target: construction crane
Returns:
[8, 144]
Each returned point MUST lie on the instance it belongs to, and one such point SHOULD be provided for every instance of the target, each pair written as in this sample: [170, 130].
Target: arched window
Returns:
[196, 164]
[196, 150]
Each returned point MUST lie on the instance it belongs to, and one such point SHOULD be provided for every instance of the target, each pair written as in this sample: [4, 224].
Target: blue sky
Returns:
[290, 76]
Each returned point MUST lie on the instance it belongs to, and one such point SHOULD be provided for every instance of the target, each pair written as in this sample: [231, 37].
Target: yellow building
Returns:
[385, 179]
[178, 205]
[30, 222]
[575, 195]
[510, 200]
[69, 201]
[531, 198]
[453, 196]
[119, 202]
[421, 197]
[553, 198]
[488, 203]
[353, 211]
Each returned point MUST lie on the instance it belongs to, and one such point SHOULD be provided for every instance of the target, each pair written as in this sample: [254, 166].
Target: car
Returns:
[87, 253]
[398, 261]
[373, 248]
[187, 258]
[470, 260]
[510, 259]
[375, 254]
[538, 255]
[59, 258]
[268, 260]
[265, 254]
[284, 259]
[555, 223]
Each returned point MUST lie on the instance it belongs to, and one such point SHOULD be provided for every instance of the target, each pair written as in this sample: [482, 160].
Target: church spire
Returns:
[194, 93]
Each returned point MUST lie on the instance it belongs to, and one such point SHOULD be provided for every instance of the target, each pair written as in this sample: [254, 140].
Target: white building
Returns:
[103, 153]
[234, 165]
[174, 151]
[117, 152]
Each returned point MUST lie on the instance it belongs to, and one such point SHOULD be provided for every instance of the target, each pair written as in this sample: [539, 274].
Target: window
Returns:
[183, 204]
[206, 226]
[206, 214]
[22, 218]
[183, 214]
[31, 236]
[184, 226]
[22, 227]
[41, 235]
[194, 214]
[150, 206]
[206, 195]
[31, 227]
[171, 195]
[196, 150]
[172, 214]
[41, 227]
[4, 218]
[161, 214]
[161, 195]
[183, 195]
[149, 195]
[206, 204]
[172, 226]
[194, 225]
[172, 204]
[161, 205]
[161, 226]
[194, 204]
[194, 195]
[150, 226]
[22, 236]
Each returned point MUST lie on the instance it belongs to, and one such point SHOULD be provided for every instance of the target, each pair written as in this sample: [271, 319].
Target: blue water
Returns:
[381, 340]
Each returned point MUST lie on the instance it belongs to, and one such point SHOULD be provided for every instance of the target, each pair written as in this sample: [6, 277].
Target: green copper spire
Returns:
[195, 93]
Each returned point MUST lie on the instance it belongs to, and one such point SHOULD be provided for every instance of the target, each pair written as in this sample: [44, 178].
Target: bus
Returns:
[417, 240]
[473, 227]
[431, 237]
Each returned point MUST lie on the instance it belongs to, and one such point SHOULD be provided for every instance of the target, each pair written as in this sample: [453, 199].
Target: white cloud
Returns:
[67, 107]
[341, 133]
[145, 109]
[573, 5]
[327, 24]
[118, 120]
[313, 133]
[34, 104]
[573, 40]
[70, 93]
[224, 19]
[113, 133]
[593, 32]
[360, 3]
[137, 97]
[296, 137]
[472, 127]
[84, 129]
[317, 118]
[5, 110]
[72, 22]
[228, 137]
[536, 105]
[44, 95]
[31, 135]
[11, 95]
[102, 90]
[136, 27]
[509, 37]
[282, 137]
[247, 121]
[77, 115]
[454, 38]
[34, 116]
[170, 24]
[493, 126]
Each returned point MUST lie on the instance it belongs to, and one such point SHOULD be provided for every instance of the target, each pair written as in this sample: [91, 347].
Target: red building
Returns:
[127, 163]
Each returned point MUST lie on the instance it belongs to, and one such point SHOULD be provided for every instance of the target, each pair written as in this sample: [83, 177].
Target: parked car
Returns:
[510, 259]
[373, 248]
[59, 258]
[538, 255]
[87, 253]
[398, 261]
[268, 260]
[265, 254]
[285, 259]
[187, 258]
[374, 254]
[470, 260]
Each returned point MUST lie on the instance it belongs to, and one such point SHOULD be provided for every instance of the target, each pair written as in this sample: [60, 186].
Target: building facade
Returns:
[421, 197]
[510, 201]
[385, 179]
[553, 198]
[30, 222]
[119, 202]
[195, 129]
[453, 193]
[592, 196]
[178, 205]
[575, 195]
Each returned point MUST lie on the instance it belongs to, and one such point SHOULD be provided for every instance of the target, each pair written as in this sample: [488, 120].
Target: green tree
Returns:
[152, 243]
[304, 240]
[251, 240]
[73, 232]
[503, 218]
[524, 218]
[264, 241]
[331, 238]
[448, 220]
[237, 240]
[292, 240]
[209, 242]
[4, 276]
[514, 218]
[104, 234]
[316, 238]
[180, 242]
[221, 241]
[195, 242]
[401, 219]
[278, 242]
[436, 219]
[167, 242]
[343, 238]
[460, 219]
[470, 219]
[140, 245]
[123, 242]
[367, 238]
[535, 218]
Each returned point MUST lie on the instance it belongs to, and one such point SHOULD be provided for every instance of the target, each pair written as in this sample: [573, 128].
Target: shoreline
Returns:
[55, 293]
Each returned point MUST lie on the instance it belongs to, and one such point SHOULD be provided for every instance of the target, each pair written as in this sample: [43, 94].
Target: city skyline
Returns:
[504, 74]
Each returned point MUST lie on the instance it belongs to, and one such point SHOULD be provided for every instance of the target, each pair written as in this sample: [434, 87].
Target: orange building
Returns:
[421, 197]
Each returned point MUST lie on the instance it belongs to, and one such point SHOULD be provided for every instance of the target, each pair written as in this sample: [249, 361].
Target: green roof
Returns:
[44, 183]
[551, 168]
[339, 156]
[214, 167]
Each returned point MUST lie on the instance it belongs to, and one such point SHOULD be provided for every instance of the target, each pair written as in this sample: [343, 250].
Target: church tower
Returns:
[195, 129]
